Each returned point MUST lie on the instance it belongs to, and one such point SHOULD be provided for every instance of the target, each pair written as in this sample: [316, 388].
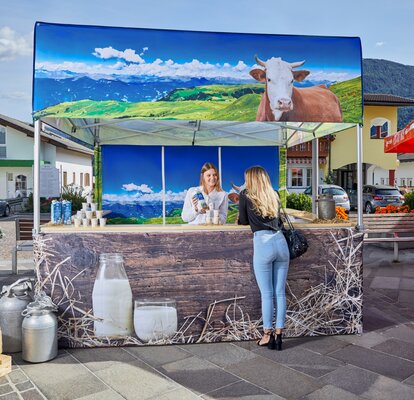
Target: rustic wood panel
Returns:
[194, 268]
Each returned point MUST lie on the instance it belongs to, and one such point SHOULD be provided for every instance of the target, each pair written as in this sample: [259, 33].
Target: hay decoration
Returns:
[332, 307]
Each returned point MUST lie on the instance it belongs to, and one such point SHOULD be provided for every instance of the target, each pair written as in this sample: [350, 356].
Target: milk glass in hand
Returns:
[112, 298]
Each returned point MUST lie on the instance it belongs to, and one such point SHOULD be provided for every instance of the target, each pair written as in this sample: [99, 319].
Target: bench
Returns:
[390, 225]
[24, 238]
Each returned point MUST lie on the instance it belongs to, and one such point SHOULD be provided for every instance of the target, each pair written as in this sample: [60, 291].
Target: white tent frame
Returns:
[301, 132]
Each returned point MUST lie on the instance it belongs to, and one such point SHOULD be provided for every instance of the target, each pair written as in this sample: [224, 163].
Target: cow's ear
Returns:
[300, 75]
[258, 74]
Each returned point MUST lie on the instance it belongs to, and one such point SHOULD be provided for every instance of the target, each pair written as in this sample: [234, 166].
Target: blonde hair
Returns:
[205, 168]
[260, 192]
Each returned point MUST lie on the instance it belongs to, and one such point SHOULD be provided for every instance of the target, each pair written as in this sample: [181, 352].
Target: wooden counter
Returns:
[198, 266]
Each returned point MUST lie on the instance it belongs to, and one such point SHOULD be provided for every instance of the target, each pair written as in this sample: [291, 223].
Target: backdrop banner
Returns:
[107, 72]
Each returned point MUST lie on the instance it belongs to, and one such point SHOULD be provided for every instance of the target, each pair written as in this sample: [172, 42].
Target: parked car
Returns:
[4, 208]
[374, 196]
[339, 194]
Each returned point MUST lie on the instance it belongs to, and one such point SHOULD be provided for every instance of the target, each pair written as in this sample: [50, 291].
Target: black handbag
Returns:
[295, 239]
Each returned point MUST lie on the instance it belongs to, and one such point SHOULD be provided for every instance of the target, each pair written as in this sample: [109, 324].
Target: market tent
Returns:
[402, 141]
[184, 88]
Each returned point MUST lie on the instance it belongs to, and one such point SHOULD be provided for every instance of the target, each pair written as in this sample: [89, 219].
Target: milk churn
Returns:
[326, 207]
[14, 299]
[39, 330]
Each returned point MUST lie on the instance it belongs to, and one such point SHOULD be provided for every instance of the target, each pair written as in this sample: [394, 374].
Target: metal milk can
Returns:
[14, 300]
[39, 330]
[326, 207]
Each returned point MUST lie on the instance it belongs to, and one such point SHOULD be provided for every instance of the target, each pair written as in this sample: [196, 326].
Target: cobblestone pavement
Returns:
[377, 365]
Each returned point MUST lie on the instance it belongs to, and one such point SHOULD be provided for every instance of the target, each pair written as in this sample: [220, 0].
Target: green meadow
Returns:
[212, 102]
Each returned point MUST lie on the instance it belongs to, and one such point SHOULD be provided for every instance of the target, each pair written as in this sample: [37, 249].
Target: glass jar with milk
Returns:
[112, 298]
[155, 319]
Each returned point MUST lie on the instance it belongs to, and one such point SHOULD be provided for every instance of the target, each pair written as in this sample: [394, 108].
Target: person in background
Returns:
[405, 190]
[259, 208]
[212, 194]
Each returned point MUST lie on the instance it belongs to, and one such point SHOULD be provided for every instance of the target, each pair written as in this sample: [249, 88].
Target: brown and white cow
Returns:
[281, 101]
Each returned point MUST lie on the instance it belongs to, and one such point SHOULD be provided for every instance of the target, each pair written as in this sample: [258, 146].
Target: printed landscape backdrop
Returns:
[104, 72]
[132, 178]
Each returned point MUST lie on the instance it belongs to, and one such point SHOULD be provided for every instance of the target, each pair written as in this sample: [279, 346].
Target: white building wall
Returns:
[405, 174]
[18, 145]
[74, 163]
[377, 176]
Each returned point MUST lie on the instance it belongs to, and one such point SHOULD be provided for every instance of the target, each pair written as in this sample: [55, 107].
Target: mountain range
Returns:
[388, 77]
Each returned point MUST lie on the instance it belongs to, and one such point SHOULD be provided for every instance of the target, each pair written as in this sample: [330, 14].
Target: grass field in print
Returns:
[212, 102]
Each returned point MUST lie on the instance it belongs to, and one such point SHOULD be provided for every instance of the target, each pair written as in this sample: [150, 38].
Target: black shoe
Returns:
[278, 342]
[272, 343]
[271, 338]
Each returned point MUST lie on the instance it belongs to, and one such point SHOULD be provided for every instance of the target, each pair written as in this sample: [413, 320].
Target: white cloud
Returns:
[330, 76]
[144, 188]
[12, 45]
[144, 49]
[146, 197]
[109, 52]
[379, 44]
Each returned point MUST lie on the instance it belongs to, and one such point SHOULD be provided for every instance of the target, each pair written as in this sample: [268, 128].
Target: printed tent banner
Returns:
[402, 141]
[152, 74]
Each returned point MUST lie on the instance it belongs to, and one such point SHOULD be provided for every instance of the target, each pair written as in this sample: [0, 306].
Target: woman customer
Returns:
[259, 208]
[212, 196]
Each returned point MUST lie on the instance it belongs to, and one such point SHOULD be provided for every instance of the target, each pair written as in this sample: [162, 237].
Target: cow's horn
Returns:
[297, 64]
[259, 61]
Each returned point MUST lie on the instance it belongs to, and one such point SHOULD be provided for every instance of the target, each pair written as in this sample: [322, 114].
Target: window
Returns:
[409, 181]
[3, 152]
[65, 178]
[309, 176]
[87, 183]
[402, 181]
[81, 179]
[297, 177]
[74, 178]
[385, 181]
[379, 128]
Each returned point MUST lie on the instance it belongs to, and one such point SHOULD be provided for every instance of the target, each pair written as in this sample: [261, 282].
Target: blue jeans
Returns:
[271, 264]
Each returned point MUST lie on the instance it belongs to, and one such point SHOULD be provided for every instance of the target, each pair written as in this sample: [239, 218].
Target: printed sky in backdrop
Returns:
[132, 175]
[105, 72]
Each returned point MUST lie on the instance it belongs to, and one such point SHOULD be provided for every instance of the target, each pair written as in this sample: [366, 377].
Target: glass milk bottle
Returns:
[112, 298]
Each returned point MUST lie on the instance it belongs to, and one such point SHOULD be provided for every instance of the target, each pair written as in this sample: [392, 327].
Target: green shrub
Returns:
[74, 194]
[299, 201]
[409, 200]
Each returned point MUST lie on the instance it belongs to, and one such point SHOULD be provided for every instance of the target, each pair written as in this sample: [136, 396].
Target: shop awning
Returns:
[402, 141]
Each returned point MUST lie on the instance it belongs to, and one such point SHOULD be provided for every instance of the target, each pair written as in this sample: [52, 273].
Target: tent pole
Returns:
[360, 181]
[36, 178]
[315, 174]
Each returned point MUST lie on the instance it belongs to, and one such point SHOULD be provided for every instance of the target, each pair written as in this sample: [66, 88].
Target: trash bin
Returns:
[326, 207]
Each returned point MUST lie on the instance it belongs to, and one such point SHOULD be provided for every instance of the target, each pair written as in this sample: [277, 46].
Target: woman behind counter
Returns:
[213, 194]
[259, 208]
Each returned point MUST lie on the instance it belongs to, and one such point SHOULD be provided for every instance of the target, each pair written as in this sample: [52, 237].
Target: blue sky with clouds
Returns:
[384, 28]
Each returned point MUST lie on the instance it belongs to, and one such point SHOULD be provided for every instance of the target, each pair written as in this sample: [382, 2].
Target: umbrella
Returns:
[402, 141]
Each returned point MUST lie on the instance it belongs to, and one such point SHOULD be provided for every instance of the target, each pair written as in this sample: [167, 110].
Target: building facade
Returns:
[16, 159]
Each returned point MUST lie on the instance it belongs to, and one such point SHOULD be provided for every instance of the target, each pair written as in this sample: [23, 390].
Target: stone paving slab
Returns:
[403, 332]
[303, 360]
[200, 376]
[397, 348]
[368, 385]
[220, 354]
[158, 355]
[241, 390]
[275, 378]
[366, 340]
[330, 392]
[374, 361]
[63, 378]
[326, 344]
[389, 282]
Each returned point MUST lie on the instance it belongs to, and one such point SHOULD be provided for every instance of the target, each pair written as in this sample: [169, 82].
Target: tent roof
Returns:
[402, 141]
[89, 132]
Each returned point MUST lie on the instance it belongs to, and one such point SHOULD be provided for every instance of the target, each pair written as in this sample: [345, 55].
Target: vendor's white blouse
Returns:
[218, 199]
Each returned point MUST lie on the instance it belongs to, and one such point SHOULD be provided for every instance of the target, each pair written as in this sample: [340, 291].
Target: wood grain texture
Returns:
[194, 268]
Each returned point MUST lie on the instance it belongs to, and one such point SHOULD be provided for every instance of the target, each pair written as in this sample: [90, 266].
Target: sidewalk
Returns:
[377, 365]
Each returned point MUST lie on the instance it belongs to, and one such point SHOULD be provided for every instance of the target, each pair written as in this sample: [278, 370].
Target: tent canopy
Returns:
[402, 141]
[90, 132]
